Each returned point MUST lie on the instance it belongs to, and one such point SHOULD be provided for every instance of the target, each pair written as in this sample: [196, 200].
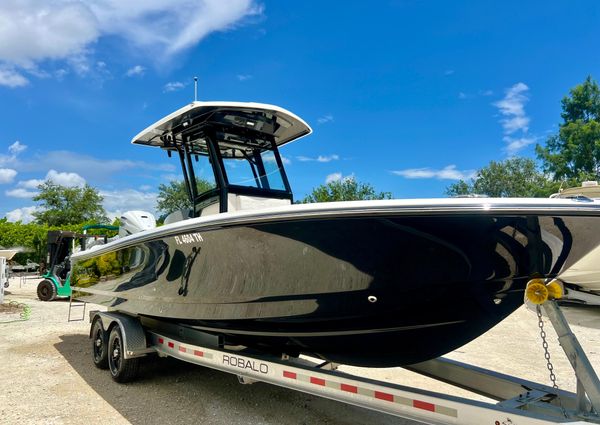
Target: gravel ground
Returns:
[47, 377]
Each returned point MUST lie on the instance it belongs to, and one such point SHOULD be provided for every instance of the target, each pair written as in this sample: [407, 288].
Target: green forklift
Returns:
[61, 244]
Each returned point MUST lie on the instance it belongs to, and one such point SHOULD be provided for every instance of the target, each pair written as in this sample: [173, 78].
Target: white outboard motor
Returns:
[135, 222]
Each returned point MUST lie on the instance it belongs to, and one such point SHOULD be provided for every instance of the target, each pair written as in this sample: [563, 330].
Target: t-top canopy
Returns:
[237, 126]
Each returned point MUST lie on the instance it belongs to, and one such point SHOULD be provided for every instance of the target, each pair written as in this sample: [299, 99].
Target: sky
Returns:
[409, 96]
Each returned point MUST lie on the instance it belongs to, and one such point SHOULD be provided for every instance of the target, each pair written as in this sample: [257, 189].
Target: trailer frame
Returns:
[518, 401]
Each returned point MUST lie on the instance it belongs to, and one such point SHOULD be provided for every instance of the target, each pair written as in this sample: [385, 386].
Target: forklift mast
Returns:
[60, 246]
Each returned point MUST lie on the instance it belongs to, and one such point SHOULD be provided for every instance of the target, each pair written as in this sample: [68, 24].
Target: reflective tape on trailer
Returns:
[301, 375]
[188, 351]
[379, 395]
[183, 348]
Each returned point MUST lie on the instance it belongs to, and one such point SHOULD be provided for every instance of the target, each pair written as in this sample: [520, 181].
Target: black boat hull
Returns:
[384, 290]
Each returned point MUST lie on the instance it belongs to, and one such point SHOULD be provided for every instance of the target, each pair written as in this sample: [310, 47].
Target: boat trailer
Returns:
[119, 341]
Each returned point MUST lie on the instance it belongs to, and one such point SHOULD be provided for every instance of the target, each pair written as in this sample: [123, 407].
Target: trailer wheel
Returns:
[99, 345]
[46, 290]
[121, 369]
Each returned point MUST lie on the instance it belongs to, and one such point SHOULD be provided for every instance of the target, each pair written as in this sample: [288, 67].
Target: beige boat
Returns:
[8, 253]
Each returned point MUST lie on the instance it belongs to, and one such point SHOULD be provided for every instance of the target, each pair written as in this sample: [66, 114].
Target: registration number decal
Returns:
[188, 238]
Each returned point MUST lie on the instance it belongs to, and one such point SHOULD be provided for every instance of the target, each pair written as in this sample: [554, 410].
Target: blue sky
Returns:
[406, 95]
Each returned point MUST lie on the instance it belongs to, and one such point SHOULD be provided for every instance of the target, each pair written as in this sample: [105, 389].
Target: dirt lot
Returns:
[46, 377]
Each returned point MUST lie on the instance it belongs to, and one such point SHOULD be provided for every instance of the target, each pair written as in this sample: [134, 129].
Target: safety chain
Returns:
[545, 346]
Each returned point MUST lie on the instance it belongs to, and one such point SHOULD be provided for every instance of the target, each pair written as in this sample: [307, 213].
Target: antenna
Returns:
[195, 89]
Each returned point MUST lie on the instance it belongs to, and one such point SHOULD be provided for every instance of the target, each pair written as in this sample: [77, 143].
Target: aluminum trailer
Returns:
[119, 341]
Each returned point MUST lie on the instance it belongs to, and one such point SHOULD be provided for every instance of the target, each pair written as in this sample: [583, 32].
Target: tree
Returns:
[513, 177]
[574, 152]
[62, 206]
[29, 239]
[174, 196]
[344, 190]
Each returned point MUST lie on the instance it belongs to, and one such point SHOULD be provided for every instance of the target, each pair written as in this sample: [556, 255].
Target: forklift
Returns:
[61, 244]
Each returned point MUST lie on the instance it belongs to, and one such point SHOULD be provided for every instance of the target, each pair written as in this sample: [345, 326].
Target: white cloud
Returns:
[30, 184]
[515, 120]
[512, 106]
[16, 148]
[462, 95]
[28, 188]
[447, 173]
[88, 166]
[135, 71]
[65, 179]
[448, 72]
[20, 193]
[11, 78]
[169, 25]
[7, 175]
[515, 145]
[173, 86]
[61, 73]
[80, 63]
[334, 177]
[116, 202]
[244, 77]
[34, 31]
[24, 215]
[171, 177]
[325, 119]
[271, 158]
[320, 158]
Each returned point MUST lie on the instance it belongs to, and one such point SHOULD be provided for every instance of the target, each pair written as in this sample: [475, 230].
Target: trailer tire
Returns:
[99, 345]
[121, 369]
[46, 290]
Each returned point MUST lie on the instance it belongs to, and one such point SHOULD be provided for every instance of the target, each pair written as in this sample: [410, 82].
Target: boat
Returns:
[588, 189]
[8, 253]
[366, 283]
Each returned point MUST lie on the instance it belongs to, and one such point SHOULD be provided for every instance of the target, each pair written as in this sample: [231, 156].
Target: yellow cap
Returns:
[555, 289]
[536, 291]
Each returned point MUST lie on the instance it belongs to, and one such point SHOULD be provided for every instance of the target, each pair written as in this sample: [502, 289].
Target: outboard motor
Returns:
[135, 222]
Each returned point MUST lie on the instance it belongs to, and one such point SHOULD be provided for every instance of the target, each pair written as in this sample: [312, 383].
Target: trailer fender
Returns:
[134, 336]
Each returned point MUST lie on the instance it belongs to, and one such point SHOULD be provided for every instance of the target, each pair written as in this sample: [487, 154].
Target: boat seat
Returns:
[178, 215]
[234, 203]
[237, 202]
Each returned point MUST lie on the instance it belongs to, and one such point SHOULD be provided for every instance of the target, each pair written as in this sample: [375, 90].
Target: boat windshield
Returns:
[240, 163]
[259, 170]
[203, 171]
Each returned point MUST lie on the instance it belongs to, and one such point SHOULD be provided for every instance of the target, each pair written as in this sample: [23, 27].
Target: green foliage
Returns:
[514, 177]
[27, 237]
[344, 190]
[574, 152]
[174, 196]
[63, 206]
[31, 238]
